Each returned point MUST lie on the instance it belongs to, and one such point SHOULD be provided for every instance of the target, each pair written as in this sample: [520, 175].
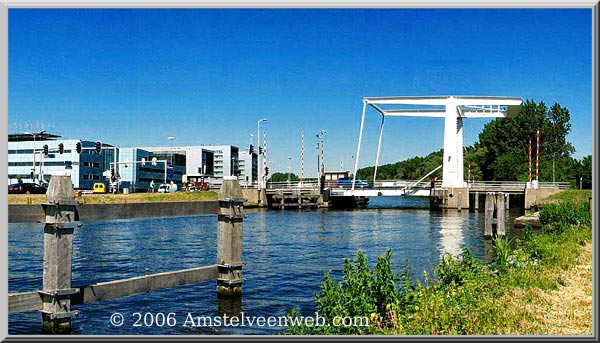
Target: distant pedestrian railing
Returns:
[293, 185]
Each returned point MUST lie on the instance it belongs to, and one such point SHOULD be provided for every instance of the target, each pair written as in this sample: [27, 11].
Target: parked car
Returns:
[99, 187]
[167, 188]
[27, 188]
[347, 182]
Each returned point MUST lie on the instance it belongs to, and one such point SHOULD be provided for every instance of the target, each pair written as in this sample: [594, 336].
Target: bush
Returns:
[558, 217]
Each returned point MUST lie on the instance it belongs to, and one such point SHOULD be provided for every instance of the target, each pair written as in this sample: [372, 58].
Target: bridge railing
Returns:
[308, 185]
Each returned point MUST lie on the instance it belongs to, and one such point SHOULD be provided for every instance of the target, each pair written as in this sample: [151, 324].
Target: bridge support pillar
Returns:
[455, 199]
[476, 204]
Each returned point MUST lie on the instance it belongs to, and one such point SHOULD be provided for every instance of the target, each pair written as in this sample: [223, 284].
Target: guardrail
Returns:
[293, 185]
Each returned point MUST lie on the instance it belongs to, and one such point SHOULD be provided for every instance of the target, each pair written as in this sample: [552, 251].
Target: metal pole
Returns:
[378, 149]
[265, 156]
[322, 152]
[302, 162]
[529, 151]
[362, 124]
[537, 156]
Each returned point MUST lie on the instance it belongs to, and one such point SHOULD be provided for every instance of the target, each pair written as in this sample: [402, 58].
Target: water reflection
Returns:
[452, 239]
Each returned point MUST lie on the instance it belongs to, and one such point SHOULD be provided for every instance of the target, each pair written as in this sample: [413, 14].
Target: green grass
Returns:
[121, 198]
[570, 195]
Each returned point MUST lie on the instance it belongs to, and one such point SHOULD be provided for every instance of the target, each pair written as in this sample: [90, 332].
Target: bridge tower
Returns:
[454, 109]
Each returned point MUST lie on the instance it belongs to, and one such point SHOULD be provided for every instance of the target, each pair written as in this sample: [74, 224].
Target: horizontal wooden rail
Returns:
[31, 301]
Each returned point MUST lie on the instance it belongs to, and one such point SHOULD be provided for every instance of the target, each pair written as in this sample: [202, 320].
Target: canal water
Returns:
[286, 252]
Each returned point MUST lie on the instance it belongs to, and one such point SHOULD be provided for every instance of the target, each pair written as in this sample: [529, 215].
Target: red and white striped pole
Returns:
[302, 161]
[322, 153]
[469, 173]
[529, 159]
[537, 155]
[264, 155]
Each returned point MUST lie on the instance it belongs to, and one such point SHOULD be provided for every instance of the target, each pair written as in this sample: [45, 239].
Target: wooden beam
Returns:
[142, 284]
[23, 302]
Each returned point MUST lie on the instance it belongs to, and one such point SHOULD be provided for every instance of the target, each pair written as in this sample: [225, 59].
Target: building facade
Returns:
[137, 170]
[27, 161]
[248, 168]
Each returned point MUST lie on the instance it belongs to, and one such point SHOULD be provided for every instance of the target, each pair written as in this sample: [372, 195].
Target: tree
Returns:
[507, 140]
[283, 177]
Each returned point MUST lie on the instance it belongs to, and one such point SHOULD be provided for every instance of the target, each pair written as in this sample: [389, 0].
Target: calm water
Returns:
[287, 254]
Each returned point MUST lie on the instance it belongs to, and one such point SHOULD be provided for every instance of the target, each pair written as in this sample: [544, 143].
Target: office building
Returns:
[28, 162]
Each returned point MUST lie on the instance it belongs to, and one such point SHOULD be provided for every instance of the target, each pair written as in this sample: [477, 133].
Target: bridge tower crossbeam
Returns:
[454, 109]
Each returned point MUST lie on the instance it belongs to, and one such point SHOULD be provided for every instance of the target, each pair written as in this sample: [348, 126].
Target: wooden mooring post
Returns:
[489, 214]
[494, 203]
[500, 215]
[57, 296]
[61, 214]
[229, 238]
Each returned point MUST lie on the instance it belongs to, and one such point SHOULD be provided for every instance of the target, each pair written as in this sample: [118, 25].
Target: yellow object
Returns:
[99, 187]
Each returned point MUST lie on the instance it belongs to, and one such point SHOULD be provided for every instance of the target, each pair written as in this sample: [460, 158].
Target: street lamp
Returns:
[289, 169]
[321, 136]
[34, 135]
[258, 147]
[171, 139]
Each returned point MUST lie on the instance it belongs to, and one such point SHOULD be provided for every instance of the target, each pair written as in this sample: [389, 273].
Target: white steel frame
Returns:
[453, 109]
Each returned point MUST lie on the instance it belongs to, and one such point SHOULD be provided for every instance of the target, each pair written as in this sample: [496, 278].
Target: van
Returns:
[99, 187]
[167, 188]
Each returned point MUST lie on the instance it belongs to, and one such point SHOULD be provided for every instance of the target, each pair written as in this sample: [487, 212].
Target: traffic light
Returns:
[251, 149]
[98, 147]
[45, 149]
[61, 148]
[266, 171]
[260, 150]
[78, 147]
[31, 174]
[112, 173]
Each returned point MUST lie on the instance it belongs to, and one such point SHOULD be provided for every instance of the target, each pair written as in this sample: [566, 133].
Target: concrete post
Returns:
[500, 215]
[489, 214]
[229, 238]
[476, 206]
[61, 214]
[459, 206]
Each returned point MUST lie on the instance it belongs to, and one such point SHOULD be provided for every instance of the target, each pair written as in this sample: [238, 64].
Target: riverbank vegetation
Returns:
[120, 198]
[502, 151]
[540, 284]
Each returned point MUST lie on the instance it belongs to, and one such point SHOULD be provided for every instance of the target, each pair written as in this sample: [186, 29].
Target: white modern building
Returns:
[28, 162]
[138, 168]
[248, 168]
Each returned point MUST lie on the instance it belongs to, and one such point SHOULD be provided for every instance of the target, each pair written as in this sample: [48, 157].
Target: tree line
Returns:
[502, 151]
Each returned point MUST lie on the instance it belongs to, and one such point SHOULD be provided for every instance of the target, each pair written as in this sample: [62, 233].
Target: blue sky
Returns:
[133, 77]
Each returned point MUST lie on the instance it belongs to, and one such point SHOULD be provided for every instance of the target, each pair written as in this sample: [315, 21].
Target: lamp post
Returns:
[171, 152]
[258, 147]
[33, 167]
[289, 169]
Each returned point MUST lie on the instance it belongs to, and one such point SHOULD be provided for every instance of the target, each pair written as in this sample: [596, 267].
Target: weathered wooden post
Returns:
[489, 214]
[507, 201]
[61, 214]
[229, 238]
[500, 215]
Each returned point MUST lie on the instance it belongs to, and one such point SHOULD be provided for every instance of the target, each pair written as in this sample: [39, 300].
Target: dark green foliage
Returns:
[456, 271]
[410, 169]
[282, 177]
[560, 216]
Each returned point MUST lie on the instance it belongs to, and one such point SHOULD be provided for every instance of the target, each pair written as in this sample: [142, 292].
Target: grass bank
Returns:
[121, 198]
[539, 285]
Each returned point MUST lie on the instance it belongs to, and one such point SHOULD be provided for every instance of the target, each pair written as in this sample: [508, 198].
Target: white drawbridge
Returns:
[454, 109]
